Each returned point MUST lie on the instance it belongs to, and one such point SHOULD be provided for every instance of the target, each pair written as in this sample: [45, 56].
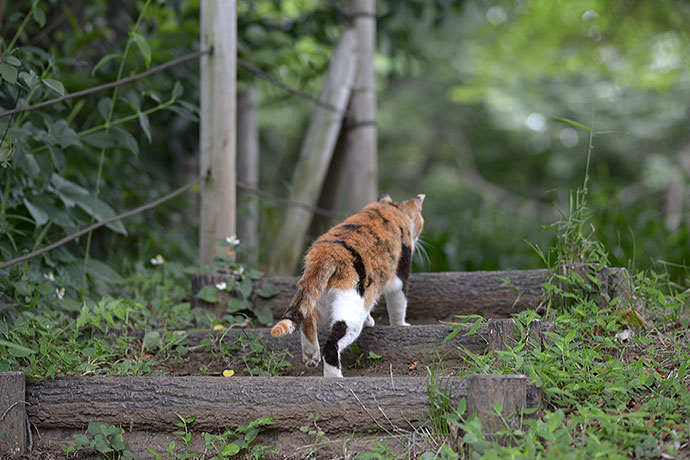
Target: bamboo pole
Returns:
[217, 125]
[248, 171]
[361, 135]
[315, 155]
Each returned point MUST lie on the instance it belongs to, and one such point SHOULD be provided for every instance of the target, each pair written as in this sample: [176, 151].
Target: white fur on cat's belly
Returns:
[396, 302]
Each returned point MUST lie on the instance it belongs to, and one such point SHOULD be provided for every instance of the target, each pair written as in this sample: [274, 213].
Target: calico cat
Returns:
[345, 272]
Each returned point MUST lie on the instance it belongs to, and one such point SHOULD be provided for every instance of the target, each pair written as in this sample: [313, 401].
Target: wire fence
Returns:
[152, 204]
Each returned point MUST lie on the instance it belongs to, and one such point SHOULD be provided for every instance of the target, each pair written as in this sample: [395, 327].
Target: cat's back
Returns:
[366, 246]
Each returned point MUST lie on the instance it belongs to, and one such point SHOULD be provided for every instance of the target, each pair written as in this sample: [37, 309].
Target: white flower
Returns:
[238, 272]
[49, 276]
[221, 286]
[232, 240]
[60, 293]
[158, 260]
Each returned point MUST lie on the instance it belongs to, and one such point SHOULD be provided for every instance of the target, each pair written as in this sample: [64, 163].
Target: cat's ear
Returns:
[419, 199]
[385, 198]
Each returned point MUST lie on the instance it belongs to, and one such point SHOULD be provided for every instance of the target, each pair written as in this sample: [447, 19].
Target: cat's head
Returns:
[412, 209]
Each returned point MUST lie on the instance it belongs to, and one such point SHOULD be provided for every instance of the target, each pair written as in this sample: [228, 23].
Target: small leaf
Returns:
[13, 61]
[104, 60]
[104, 106]
[143, 46]
[38, 214]
[572, 123]
[8, 73]
[151, 341]
[17, 350]
[99, 139]
[55, 85]
[244, 287]
[208, 294]
[126, 140]
[177, 91]
[264, 316]
[145, 125]
[230, 450]
[39, 16]
[462, 406]
[235, 305]
[81, 440]
[373, 356]
[498, 408]
[251, 435]
[267, 291]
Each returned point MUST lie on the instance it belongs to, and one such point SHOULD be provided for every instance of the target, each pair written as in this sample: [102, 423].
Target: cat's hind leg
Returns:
[369, 321]
[311, 355]
[347, 318]
[396, 303]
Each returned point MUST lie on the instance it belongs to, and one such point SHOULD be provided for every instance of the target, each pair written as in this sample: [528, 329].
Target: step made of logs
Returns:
[436, 297]
[151, 403]
[398, 346]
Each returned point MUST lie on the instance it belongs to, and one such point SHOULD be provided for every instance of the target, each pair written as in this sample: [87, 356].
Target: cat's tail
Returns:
[310, 288]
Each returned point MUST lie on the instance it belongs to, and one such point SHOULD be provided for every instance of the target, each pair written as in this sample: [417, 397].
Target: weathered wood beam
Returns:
[13, 425]
[151, 403]
[441, 296]
[315, 155]
[217, 125]
[248, 171]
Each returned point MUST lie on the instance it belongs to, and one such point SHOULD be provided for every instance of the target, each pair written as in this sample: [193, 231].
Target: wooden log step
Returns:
[350, 405]
[398, 346]
[441, 296]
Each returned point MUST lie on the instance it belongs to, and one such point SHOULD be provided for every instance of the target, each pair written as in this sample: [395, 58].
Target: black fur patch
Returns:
[350, 226]
[330, 350]
[358, 264]
[404, 266]
[294, 314]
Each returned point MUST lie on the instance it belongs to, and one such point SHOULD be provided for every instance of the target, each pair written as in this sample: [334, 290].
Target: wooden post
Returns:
[248, 171]
[217, 125]
[484, 391]
[315, 155]
[501, 334]
[13, 420]
[331, 193]
[361, 136]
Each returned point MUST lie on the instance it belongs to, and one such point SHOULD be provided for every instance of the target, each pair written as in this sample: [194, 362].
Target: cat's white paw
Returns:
[331, 371]
[311, 359]
[369, 322]
[400, 323]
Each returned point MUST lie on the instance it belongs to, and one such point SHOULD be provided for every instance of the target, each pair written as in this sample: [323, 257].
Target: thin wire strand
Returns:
[105, 86]
[244, 187]
[102, 223]
[291, 89]
[286, 201]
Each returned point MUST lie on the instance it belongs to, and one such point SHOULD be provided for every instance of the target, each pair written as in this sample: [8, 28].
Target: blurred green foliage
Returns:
[467, 93]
